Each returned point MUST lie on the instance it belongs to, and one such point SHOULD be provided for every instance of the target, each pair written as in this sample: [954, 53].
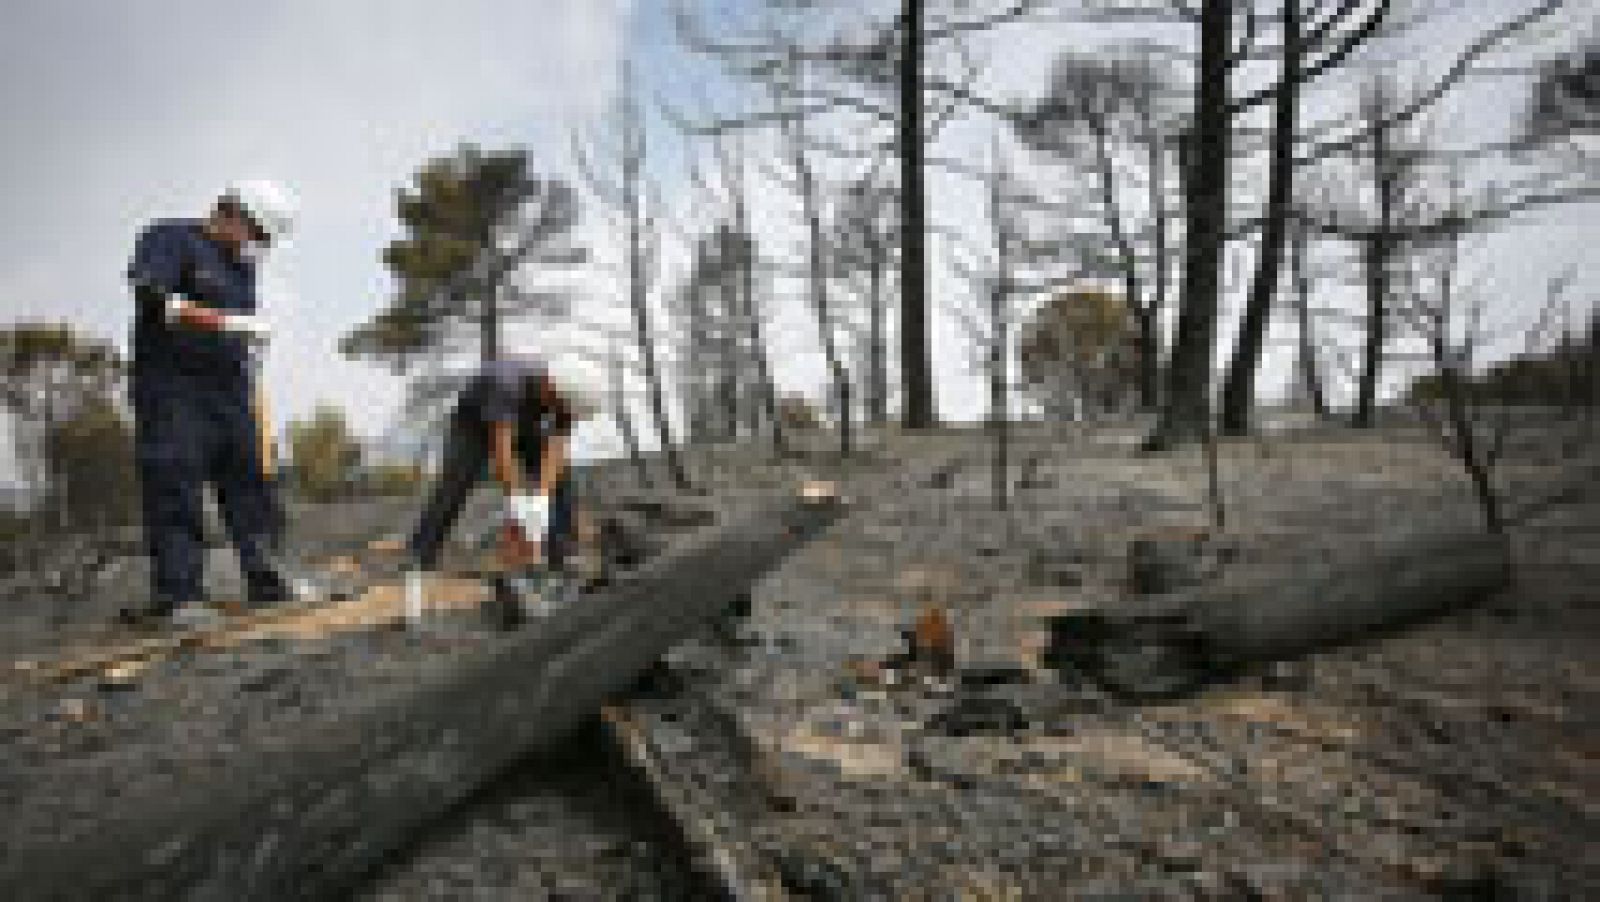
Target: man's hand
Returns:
[181, 311]
[255, 329]
[530, 513]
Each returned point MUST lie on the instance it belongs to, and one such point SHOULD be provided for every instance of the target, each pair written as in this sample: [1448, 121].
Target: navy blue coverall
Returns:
[506, 391]
[192, 397]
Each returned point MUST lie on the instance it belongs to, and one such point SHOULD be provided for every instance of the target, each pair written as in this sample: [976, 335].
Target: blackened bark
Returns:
[1238, 390]
[915, 364]
[730, 364]
[1148, 335]
[768, 393]
[999, 295]
[624, 424]
[1310, 374]
[1127, 259]
[638, 295]
[1377, 251]
[817, 289]
[877, 369]
[1205, 179]
[693, 373]
[489, 328]
[1375, 264]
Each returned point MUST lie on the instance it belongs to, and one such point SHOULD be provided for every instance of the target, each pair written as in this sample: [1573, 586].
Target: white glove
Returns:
[254, 328]
[530, 513]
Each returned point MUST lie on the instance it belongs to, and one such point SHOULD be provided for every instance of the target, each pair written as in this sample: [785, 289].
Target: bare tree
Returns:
[863, 251]
[1206, 154]
[1565, 99]
[617, 375]
[750, 308]
[1309, 368]
[891, 74]
[1121, 105]
[1316, 37]
[693, 376]
[1001, 289]
[1454, 338]
[629, 193]
[811, 196]
[990, 315]
[1397, 214]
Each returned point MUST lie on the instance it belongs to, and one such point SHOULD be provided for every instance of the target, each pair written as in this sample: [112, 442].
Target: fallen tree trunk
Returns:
[1168, 644]
[309, 817]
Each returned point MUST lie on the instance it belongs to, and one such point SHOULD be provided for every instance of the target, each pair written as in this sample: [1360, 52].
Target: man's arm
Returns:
[156, 272]
[552, 462]
[502, 453]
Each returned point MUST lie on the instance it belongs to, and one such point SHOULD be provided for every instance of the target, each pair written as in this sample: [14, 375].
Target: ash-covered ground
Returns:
[1451, 758]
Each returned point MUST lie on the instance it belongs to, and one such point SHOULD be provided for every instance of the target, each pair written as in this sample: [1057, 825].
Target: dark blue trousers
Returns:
[465, 462]
[185, 439]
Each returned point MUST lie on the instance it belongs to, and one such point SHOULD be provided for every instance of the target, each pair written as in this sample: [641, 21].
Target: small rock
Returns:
[78, 710]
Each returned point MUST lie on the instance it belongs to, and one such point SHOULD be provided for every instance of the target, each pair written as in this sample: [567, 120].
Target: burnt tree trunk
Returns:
[639, 296]
[1205, 159]
[877, 364]
[728, 359]
[1310, 374]
[692, 373]
[999, 339]
[1238, 390]
[817, 290]
[1377, 249]
[624, 423]
[1148, 333]
[915, 355]
[747, 302]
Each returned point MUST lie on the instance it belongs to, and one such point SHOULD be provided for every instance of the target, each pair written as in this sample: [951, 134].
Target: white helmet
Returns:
[268, 204]
[579, 382]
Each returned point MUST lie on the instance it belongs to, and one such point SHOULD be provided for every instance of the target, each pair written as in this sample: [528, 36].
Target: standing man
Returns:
[515, 416]
[196, 331]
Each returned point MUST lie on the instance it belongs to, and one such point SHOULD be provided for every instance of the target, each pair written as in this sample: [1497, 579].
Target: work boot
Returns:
[505, 602]
[269, 587]
[153, 612]
[140, 617]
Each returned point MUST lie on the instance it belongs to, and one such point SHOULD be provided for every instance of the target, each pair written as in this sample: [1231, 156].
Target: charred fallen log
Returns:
[1167, 644]
[308, 817]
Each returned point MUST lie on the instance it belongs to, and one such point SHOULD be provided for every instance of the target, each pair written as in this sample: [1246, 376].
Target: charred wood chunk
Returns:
[974, 714]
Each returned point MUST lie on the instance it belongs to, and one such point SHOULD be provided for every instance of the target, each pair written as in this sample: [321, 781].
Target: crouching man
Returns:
[516, 416]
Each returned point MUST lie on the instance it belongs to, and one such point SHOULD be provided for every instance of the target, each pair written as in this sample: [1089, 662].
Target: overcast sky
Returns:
[120, 112]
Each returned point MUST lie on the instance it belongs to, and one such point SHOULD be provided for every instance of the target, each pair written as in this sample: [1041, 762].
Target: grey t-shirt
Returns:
[507, 389]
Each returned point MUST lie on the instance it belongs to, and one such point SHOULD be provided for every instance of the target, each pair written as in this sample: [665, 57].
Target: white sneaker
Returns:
[412, 578]
[195, 615]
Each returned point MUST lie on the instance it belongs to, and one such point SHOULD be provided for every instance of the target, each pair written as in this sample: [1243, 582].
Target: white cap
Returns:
[268, 204]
